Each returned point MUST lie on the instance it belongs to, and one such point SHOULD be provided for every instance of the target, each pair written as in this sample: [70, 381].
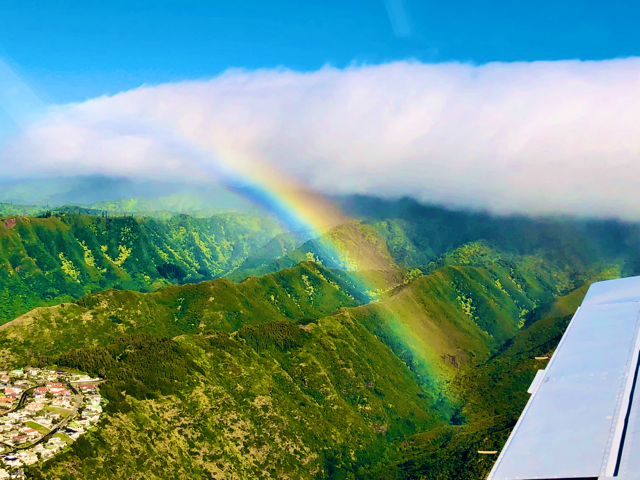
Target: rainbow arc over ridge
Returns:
[299, 208]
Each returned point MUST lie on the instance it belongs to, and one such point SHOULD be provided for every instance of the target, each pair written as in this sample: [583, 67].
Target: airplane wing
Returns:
[582, 420]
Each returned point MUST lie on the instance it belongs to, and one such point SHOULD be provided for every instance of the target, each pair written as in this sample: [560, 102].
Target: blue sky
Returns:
[74, 50]
[444, 101]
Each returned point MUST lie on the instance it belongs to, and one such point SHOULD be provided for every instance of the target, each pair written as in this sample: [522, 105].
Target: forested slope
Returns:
[59, 258]
[494, 392]
[287, 376]
[397, 353]
[303, 293]
[273, 401]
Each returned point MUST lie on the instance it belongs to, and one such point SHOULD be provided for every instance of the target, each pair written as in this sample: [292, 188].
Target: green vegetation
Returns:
[396, 354]
[418, 234]
[268, 378]
[7, 209]
[306, 292]
[41, 428]
[211, 406]
[64, 437]
[44, 261]
[351, 246]
[495, 392]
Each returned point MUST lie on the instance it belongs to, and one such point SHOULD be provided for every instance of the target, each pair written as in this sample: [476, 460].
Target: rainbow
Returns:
[300, 209]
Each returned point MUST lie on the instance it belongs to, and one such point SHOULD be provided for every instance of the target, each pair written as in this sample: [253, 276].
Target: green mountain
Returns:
[62, 257]
[412, 235]
[122, 195]
[351, 246]
[303, 293]
[290, 375]
[494, 394]
[417, 234]
[8, 209]
[277, 249]
[396, 353]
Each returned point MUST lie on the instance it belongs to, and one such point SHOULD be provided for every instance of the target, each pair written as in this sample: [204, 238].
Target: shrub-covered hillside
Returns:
[289, 375]
[351, 246]
[303, 293]
[59, 258]
[494, 394]
[396, 354]
[277, 400]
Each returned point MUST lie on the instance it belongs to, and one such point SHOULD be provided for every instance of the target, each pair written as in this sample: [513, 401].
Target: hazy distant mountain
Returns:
[155, 195]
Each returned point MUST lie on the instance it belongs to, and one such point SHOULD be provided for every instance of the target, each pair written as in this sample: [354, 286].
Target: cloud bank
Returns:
[540, 138]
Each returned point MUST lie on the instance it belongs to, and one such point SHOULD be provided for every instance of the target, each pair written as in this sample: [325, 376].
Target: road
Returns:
[77, 401]
[23, 398]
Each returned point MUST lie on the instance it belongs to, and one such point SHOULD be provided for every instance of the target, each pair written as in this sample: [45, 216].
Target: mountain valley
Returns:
[399, 355]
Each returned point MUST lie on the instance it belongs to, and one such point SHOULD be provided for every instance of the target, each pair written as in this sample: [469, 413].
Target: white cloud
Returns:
[543, 137]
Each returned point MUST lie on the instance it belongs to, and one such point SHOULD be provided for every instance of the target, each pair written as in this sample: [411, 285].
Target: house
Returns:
[42, 420]
[59, 402]
[35, 406]
[28, 458]
[93, 418]
[47, 453]
[17, 440]
[56, 441]
[3, 474]
[12, 391]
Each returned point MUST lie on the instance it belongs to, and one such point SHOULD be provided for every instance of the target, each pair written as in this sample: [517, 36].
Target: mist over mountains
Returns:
[87, 190]
[526, 137]
[307, 241]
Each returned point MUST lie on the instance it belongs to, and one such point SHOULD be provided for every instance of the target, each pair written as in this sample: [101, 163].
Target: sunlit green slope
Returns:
[303, 293]
[47, 260]
[286, 375]
[352, 246]
[307, 404]
[494, 392]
